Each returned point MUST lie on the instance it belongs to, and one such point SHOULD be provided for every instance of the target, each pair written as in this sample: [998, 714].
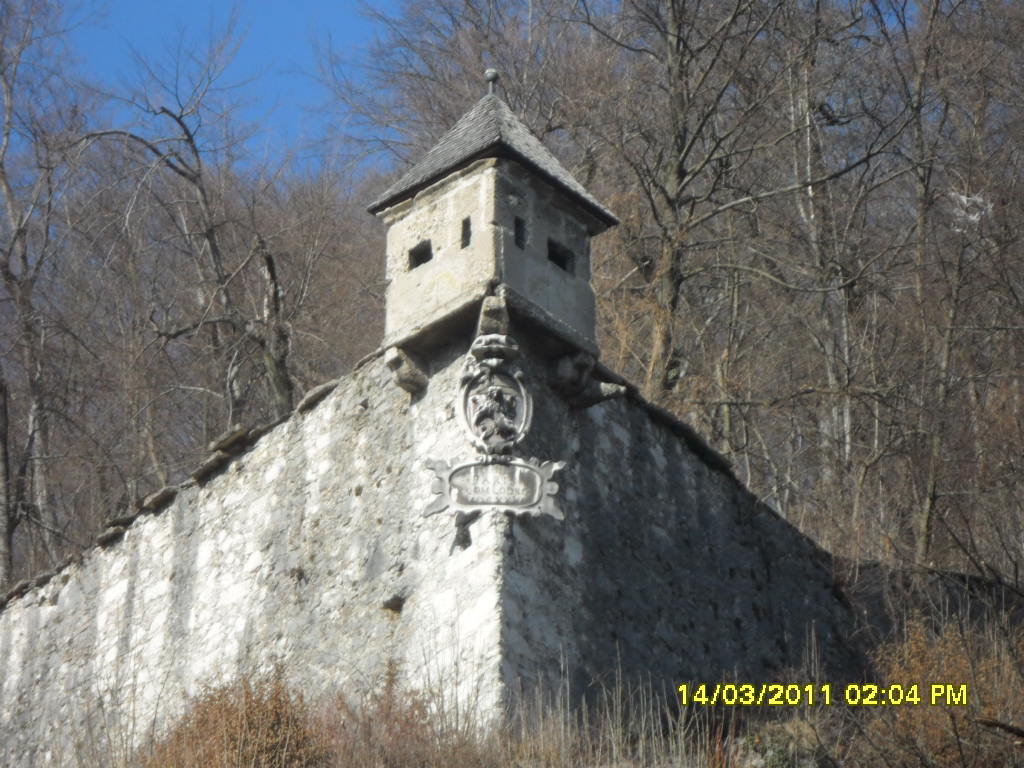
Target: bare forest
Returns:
[819, 264]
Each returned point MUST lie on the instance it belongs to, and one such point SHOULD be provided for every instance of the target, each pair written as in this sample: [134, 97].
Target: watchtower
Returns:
[489, 206]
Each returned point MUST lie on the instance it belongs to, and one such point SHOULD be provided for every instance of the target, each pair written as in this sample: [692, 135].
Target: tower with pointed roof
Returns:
[489, 209]
[511, 519]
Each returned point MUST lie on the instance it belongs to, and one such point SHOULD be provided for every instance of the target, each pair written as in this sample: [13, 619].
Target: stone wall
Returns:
[310, 551]
[287, 557]
[666, 569]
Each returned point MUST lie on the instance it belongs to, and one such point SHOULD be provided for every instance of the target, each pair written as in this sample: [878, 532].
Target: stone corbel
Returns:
[406, 372]
[574, 378]
[572, 373]
[494, 315]
[597, 392]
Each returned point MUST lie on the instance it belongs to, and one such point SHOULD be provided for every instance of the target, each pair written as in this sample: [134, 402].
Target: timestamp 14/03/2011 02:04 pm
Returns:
[821, 694]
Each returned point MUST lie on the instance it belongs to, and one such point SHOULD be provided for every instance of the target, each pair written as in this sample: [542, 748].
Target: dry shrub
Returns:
[264, 725]
[988, 661]
[254, 724]
[789, 738]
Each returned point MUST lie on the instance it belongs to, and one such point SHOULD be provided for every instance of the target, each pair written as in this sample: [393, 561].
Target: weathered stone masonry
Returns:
[322, 549]
[286, 557]
[289, 555]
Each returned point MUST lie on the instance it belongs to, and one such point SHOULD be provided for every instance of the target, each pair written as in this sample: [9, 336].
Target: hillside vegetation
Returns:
[819, 267]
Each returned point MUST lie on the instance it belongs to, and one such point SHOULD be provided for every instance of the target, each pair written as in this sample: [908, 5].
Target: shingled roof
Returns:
[489, 129]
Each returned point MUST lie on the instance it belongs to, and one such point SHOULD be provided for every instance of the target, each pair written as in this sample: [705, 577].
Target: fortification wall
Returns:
[287, 557]
[311, 551]
[666, 570]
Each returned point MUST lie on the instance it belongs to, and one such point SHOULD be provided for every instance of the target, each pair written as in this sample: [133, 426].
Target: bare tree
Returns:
[7, 521]
[41, 132]
[158, 284]
[789, 271]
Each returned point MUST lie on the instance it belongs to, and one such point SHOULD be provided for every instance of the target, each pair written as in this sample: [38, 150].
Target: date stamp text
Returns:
[822, 694]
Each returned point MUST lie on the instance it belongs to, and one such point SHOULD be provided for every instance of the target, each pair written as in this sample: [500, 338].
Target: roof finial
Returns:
[491, 75]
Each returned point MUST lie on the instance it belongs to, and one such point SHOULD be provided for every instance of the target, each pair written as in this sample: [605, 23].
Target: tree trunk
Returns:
[6, 508]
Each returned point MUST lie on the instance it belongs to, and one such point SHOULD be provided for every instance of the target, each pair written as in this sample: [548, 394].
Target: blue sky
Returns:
[277, 47]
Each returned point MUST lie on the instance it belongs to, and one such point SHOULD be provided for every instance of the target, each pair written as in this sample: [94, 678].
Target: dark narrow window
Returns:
[520, 233]
[467, 232]
[560, 256]
[421, 254]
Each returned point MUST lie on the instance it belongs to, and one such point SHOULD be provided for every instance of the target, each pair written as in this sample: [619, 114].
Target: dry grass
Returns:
[395, 728]
[263, 724]
[986, 732]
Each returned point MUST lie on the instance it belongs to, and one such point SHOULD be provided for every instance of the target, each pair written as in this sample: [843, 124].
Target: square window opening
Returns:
[467, 232]
[420, 254]
[561, 257]
[519, 232]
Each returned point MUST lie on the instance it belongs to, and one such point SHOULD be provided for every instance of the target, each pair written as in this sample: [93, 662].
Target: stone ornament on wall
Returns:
[496, 410]
[517, 485]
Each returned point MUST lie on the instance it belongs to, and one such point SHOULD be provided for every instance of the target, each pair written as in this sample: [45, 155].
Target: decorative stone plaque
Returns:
[515, 485]
[496, 411]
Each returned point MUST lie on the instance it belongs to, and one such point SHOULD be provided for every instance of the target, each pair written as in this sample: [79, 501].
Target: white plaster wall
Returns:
[558, 298]
[455, 275]
[492, 193]
[666, 569]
